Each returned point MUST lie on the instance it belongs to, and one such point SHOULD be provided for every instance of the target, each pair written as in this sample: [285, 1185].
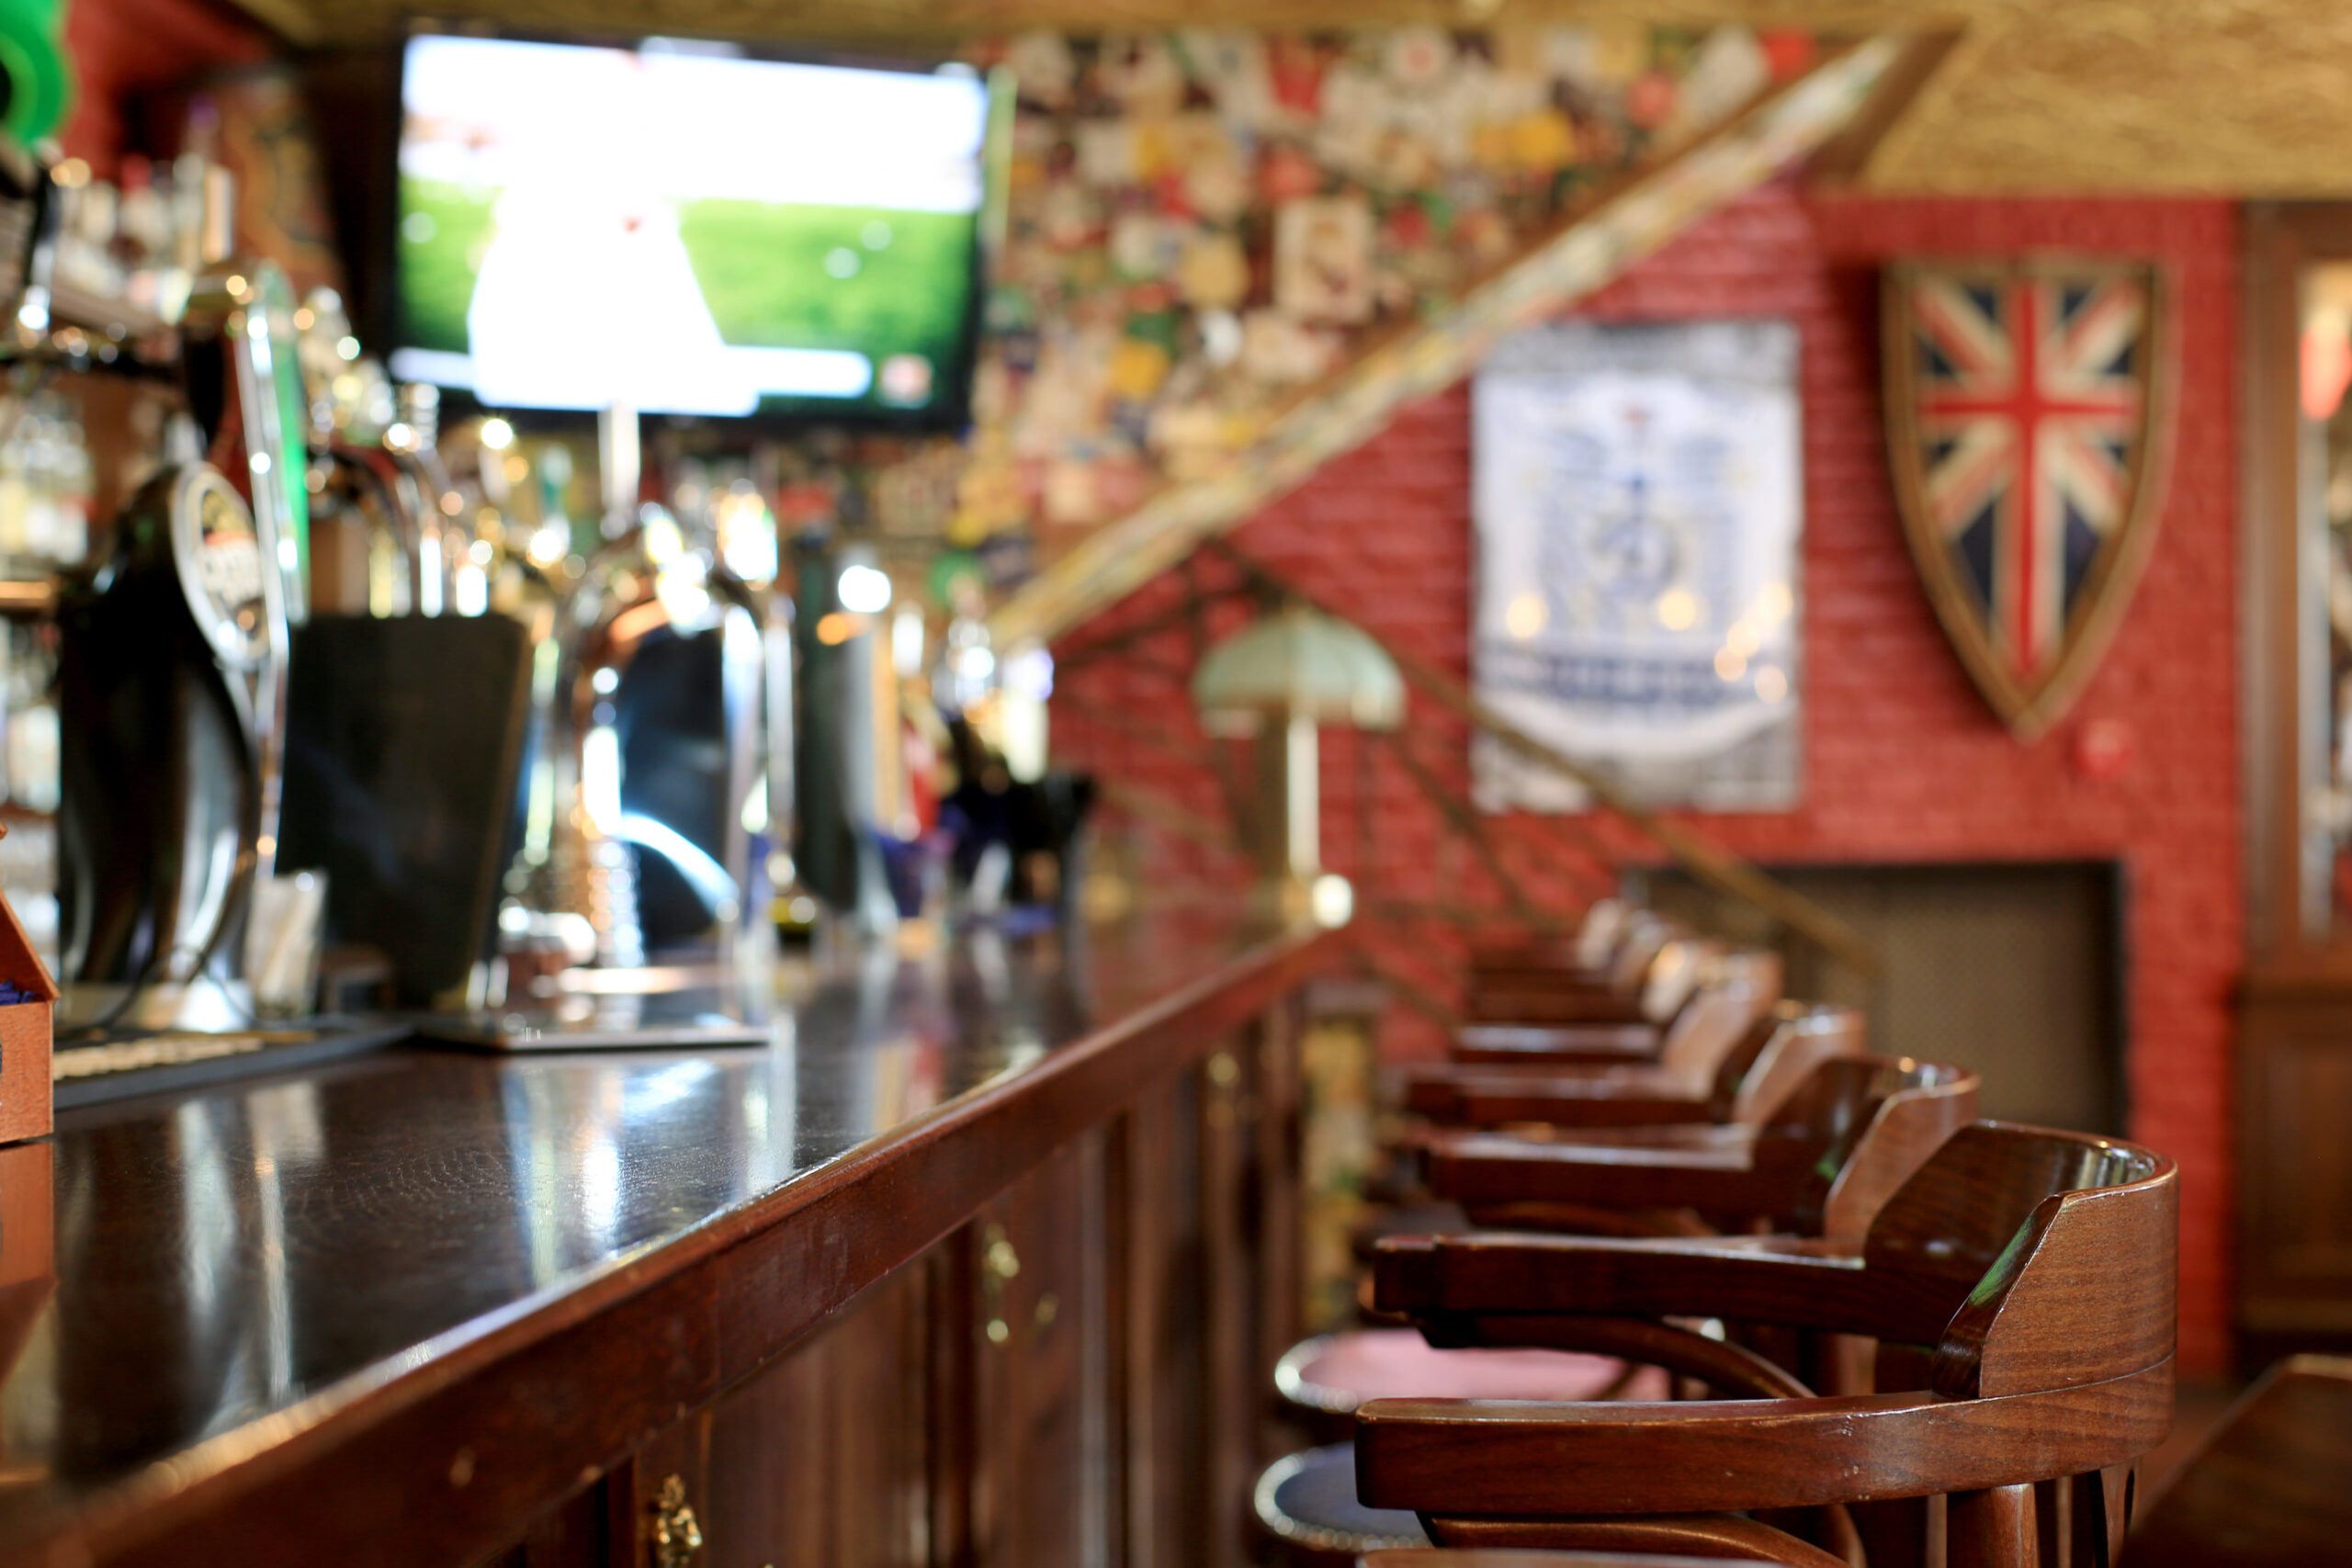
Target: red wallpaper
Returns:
[1903, 761]
[123, 47]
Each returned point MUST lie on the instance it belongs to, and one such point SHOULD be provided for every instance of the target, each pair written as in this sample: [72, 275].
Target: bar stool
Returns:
[1520, 1023]
[1586, 953]
[1777, 1054]
[1728, 1026]
[1752, 1082]
[1821, 1163]
[1514, 991]
[2021, 1285]
[1728, 1050]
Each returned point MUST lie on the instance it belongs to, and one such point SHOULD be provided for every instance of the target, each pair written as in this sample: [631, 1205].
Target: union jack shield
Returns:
[2027, 407]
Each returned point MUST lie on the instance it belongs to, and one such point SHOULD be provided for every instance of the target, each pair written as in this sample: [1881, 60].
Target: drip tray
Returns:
[123, 1063]
[631, 1023]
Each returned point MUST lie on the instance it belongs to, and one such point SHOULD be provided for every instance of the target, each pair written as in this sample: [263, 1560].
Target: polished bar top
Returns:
[242, 1266]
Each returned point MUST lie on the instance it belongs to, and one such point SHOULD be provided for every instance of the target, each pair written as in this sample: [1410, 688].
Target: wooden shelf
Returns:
[117, 320]
[29, 598]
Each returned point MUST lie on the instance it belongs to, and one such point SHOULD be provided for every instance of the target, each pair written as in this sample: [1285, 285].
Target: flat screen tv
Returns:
[680, 228]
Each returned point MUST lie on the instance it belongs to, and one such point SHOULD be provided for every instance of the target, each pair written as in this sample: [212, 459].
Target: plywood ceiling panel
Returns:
[2247, 97]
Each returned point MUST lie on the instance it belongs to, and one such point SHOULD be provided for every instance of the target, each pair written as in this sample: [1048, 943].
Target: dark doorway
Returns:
[2016, 970]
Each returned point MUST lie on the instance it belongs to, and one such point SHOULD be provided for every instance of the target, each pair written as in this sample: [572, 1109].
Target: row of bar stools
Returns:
[1754, 1206]
[1647, 973]
[1728, 1100]
[1632, 989]
[2020, 1289]
[1731, 1055]
[1848, 1137]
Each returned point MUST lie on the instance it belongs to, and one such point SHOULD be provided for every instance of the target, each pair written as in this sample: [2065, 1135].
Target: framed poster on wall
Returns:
[1638, 502]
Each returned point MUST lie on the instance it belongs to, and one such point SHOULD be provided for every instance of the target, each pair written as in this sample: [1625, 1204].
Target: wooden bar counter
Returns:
[980, 1260]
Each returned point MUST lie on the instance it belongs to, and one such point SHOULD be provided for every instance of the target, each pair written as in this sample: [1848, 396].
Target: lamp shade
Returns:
[1300, 664]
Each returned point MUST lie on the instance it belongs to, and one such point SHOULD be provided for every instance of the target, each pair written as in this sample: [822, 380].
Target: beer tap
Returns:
[359, 481]
[650, 580]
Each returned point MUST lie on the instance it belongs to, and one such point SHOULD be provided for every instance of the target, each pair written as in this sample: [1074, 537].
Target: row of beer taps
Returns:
[448, 531]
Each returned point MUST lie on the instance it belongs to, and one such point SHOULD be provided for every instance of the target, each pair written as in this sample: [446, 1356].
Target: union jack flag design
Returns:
[2023, 401]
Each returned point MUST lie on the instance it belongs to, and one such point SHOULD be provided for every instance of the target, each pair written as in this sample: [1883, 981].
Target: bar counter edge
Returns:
[437, 1456]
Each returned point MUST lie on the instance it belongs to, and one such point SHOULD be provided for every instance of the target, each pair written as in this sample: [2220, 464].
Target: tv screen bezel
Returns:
[950, 413]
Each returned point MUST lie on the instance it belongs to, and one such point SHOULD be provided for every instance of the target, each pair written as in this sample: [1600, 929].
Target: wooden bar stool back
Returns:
[1695, 1026]
[1648, 976]
[1820, 1163]
[1587, 953]
[1749, 1074]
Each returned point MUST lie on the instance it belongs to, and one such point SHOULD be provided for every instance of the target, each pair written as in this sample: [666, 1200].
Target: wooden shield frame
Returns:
[2031, 707]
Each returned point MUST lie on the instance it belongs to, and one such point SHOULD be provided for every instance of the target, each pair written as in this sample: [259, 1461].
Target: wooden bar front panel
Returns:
[1072, 1379]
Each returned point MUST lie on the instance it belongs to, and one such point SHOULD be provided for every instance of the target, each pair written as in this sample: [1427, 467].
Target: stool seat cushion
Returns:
[1308, 1500]
[1336, 1372]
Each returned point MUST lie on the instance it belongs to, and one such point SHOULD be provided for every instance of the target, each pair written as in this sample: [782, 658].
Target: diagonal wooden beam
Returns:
[1589, 250]
[1846, 158]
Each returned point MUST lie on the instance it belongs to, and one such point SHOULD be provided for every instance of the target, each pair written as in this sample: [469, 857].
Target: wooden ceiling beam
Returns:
[293, 20]
[1844, 159]
[2190, 97]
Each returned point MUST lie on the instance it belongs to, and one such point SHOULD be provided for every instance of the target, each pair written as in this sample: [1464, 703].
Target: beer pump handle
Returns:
[238, 346]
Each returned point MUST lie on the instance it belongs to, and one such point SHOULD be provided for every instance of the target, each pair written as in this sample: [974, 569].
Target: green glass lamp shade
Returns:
[1301, 663]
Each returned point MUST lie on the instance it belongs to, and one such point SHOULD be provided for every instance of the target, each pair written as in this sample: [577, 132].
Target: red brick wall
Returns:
[123, 47]
[1903, 761]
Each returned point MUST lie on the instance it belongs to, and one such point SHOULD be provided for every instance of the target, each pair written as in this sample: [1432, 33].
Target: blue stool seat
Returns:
[1308, 1503]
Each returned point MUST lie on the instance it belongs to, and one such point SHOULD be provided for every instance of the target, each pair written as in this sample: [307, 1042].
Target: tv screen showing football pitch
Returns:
[678, 229]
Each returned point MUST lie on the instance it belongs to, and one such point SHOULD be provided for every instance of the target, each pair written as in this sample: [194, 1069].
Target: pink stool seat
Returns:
[1336, 1372]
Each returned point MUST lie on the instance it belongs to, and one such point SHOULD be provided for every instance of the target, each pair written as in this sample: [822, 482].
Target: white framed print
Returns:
[1638, 502]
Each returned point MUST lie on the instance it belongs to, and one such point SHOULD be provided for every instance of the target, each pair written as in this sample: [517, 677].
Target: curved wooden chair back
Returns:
[1647, 936]
[1854, 1131]
[1992, 1197]
[1759, 968]
[2270, 1485]
[1913, 1108]
[1763, 1048]
[1797, 1038]
[1675, 978]
[1604, 925]
[1709, 1027]
[2084, 1286]
[1525, 984]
